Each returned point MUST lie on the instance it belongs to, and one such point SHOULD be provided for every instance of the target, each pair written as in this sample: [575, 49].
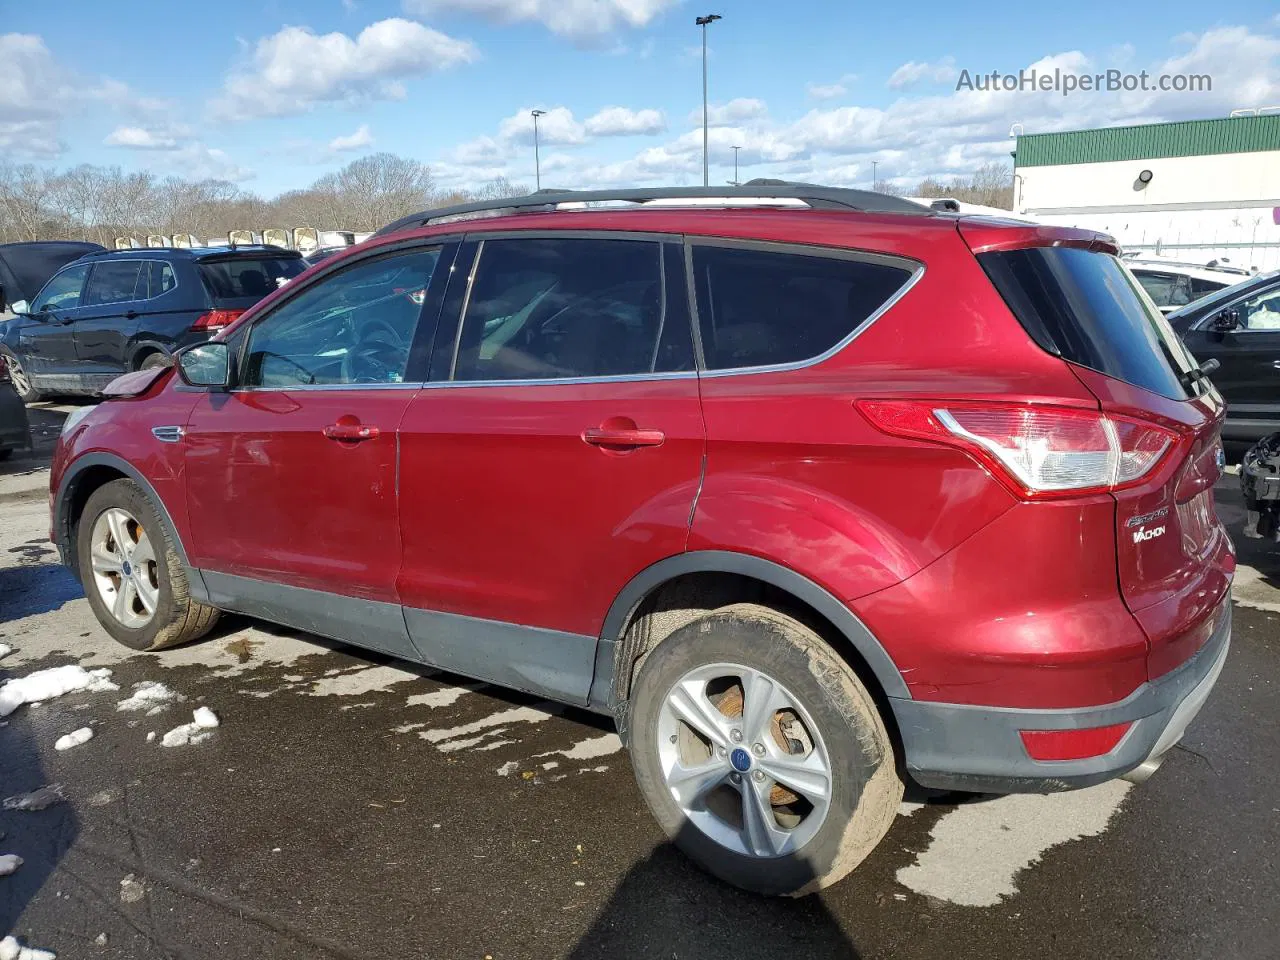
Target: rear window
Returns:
[760, 308]
[1086, 307]
[248, 278]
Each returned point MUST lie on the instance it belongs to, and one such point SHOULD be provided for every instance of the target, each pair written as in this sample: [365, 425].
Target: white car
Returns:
[1173, 284]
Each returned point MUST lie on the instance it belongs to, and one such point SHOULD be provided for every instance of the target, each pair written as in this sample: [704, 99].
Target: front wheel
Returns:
[20, 380]
[153, 360]
[131, 572]
[760, 752]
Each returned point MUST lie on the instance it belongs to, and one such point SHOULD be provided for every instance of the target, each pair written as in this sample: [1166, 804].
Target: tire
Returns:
[176, 618]
[817, 689]
[21, 382]
[156, 359]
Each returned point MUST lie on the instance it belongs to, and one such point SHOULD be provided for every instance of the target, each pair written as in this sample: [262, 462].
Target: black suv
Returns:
[1240, 328]
[120, 310]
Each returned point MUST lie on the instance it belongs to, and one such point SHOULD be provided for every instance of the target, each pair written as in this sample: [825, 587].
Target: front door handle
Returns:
[131, 314]
[350, 432]
[622, 437]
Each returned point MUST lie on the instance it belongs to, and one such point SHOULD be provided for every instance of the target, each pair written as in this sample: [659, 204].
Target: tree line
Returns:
[991, 185]
[88, 202]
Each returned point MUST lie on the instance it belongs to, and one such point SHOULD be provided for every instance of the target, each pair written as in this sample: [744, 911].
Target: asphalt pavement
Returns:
[348, 806]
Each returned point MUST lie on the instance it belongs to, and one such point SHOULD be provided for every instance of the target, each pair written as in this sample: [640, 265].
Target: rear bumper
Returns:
[961, 747]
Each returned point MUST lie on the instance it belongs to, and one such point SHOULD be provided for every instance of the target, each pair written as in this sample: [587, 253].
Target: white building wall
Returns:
[1201, 208]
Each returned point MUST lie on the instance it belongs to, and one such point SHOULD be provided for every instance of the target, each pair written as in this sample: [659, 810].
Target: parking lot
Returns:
[347, 806]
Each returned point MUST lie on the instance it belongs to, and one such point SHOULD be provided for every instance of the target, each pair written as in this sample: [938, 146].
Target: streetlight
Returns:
[736, 182]
[874, 164]
[702, 22]
[537, 164]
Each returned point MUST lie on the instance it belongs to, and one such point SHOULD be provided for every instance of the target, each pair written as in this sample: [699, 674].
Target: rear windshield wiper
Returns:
[1196, 374]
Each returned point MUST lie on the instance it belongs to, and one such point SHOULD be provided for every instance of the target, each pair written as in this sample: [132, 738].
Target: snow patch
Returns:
[9, 862]
[36, 800]
[977, 850]
[53, 682]
[74, 738]
[508, 768]
[5, 650]
[907, 809]
[447, 739]
[360, 682]
[151, 696]
[203, 721]
[494, 745]
[589, 749]
[444, 697]
[11, 949]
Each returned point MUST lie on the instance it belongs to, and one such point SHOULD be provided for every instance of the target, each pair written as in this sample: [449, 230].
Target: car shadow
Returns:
[40, 837]
[38, 584]
[665, 906]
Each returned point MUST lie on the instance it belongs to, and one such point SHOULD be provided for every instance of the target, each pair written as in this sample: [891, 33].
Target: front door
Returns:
[558, 456]
[292, 474]
[108, 319]
[46, 340]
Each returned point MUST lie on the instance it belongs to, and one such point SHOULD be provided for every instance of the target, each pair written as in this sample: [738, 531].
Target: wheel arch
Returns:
[139, 352]
[852, 640]
[87, 474]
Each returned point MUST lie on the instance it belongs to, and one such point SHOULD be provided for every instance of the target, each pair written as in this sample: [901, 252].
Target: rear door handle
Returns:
[622, 437]
[350, 432]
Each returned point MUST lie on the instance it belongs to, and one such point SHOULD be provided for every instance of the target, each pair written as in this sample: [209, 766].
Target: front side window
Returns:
[355, 326]
[113, 281]
[1262, 312]
[63, 291]
[545, 309]
[759, 308]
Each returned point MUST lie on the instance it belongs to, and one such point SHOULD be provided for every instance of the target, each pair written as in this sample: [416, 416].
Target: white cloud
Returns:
[195, 161]
[827, 91]
[622, 121]
[577, 19]
[354, 141]
[735, 111]
[294, 69]
[34, 96]
[556, 126]
[141, 138]
[912, 72]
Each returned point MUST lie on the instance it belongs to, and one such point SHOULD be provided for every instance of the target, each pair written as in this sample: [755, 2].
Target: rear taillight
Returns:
[1038, 451]
[215, 319]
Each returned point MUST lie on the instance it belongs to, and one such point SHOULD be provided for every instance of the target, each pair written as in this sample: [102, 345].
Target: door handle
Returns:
[350, 432]
[622, 437]
[131, 314]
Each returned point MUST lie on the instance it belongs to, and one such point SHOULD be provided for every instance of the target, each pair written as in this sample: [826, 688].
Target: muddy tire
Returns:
[152, 360]
[760, 752]
[131, 572]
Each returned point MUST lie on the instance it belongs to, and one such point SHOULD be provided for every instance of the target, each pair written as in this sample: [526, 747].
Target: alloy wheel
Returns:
[744, 760]
[125, 570]
[17, 375]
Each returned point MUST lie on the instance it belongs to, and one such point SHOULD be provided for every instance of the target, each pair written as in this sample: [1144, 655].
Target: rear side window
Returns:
[762, 307]
[546, 309]
[159, 280]
[113, 281]
[1202, 288]
[1086, 307]
[1165, 289]
[247, 278]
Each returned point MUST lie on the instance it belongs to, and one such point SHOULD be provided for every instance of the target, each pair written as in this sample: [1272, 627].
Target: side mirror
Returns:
[19, 307]
[205, 365]
[1226, 321]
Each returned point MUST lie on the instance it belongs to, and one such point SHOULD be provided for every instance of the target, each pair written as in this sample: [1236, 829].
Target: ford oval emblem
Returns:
[741, 760]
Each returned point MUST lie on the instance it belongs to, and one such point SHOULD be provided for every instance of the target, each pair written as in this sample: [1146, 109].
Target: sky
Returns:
[273, 94]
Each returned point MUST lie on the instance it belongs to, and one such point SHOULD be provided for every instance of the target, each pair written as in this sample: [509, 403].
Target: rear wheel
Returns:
[21, 382]
[153, 360]
[761, 753]
[132, 576]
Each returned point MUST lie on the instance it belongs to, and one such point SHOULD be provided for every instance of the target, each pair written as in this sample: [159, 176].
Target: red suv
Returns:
[814, 491]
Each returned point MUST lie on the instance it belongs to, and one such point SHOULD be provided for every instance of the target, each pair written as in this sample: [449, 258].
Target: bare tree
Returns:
[381, 187]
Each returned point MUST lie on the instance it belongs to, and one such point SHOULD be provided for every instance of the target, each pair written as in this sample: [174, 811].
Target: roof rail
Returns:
[815, 196]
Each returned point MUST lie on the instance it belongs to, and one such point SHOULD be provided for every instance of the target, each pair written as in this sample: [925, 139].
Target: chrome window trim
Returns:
[800, 249]
[564, 381]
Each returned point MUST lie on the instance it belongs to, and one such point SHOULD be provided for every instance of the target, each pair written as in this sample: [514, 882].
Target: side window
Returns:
[1261, 312]
[1165, 289]
[1202, 288]
[544, 309]
[762, 308]
[112, 281]
[355, 326]
[63, 291]
[156, 280]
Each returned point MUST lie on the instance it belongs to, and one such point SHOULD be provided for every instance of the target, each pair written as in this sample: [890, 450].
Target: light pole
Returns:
[537, 163]
[702, 22]
[874, 164]
[736, 182]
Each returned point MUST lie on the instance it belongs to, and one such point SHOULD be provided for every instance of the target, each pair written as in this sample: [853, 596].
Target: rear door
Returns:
[1174, 558]
[556, 454]
[108, 319]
